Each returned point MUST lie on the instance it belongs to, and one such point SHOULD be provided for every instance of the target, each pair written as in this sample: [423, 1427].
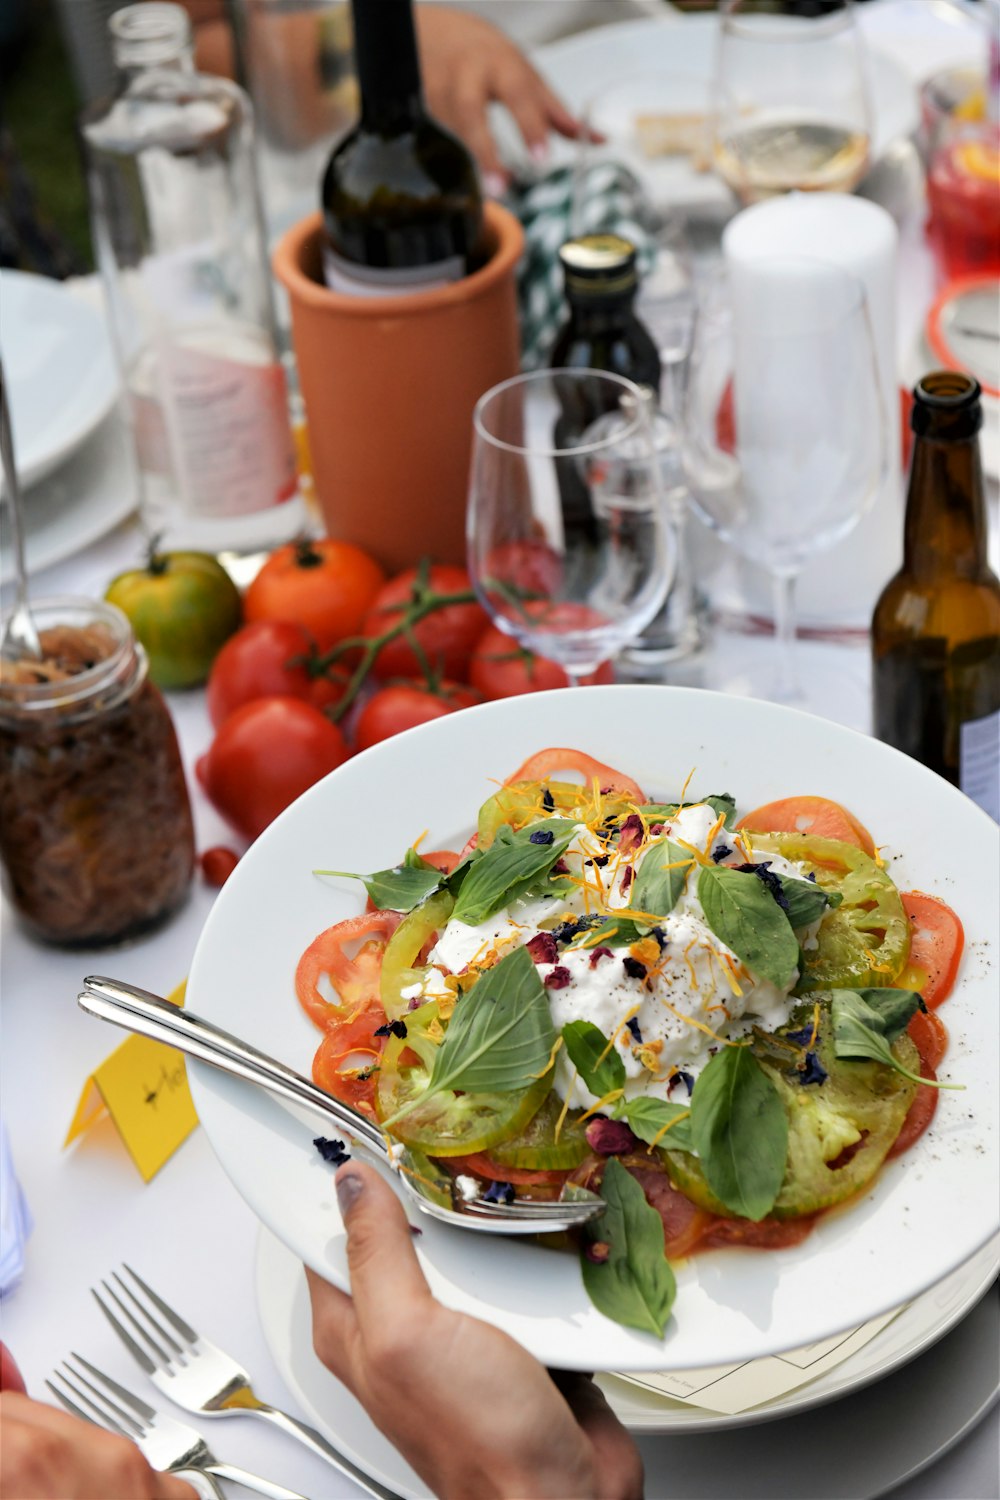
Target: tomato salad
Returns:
[724, 1025]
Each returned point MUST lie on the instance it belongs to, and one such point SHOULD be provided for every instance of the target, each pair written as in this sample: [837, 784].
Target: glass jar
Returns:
[96, 837]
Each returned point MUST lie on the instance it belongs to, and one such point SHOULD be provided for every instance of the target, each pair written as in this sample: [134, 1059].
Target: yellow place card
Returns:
[143, 1087]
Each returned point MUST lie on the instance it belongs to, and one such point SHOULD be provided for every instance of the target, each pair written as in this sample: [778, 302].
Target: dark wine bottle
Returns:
[602, 332]
[936, 627]
[401, 202]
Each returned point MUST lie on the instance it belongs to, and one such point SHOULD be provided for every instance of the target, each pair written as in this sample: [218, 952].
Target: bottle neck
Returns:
[601, 315]
[388, 65]
[945, 528]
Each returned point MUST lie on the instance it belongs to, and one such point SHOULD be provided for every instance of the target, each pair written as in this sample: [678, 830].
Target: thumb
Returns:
[380, 1254]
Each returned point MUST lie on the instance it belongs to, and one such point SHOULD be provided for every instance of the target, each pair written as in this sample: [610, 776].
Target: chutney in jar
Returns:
[96, 836]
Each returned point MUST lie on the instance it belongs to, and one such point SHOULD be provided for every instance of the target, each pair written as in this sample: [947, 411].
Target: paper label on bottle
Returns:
[226, 413]
[378, 281]
[979, 762]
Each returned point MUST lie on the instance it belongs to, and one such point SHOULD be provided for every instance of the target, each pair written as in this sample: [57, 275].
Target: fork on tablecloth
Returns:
[166, 1443]
[199, 1377]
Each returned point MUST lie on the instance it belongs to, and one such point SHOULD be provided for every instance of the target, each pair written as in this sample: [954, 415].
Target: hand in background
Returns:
[470, 1409]
[48, 1455]
[467, 64]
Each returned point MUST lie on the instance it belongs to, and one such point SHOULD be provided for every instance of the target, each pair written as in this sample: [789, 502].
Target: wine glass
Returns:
[785, 439]
[569, 545]
[791, 99]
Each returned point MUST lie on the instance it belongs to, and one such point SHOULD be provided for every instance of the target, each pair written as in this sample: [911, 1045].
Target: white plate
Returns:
[582, 66]
[896, 1429]
[929, 1211]
[60, 368]
[81, 502]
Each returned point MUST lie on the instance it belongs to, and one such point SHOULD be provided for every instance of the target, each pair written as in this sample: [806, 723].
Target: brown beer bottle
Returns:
[936, 627]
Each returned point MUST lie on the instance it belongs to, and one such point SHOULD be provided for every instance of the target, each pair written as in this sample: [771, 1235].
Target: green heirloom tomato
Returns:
[522, 803]
[864, 941]
[839, 1131]
[403, 948]
[535, 1148]
[182, 606]
[448, 1123]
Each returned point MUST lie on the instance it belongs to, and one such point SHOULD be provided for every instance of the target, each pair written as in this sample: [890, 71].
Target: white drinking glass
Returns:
[785, 433]
[569, 544]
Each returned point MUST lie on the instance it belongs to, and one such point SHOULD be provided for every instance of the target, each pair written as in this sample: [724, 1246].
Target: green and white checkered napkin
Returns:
[600, 199]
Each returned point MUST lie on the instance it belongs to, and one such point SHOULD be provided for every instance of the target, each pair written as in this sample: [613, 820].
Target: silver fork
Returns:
[431, 1189]
[165, 1442]
[201, 1378]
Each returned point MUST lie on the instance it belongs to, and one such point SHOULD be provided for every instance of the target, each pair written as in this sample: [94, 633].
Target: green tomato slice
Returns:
[447, 1123]
[865, 940]
[839, 1131]
[536, 1148]
[522, 803]
[399, 959]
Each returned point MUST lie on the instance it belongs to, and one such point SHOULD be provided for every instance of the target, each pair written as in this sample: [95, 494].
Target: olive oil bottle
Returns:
[936, 627]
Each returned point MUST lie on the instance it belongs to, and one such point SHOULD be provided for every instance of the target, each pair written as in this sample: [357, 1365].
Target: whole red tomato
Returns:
[265, 660]
[324, 586]
[503, 669]
[267, 753]
[402, 705]
[446, 635]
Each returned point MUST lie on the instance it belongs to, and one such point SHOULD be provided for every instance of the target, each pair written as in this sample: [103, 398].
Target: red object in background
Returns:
[963, 201]
[10, 1375]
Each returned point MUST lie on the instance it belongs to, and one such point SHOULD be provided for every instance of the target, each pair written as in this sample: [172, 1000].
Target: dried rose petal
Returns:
[627, 878]
[558, 979]
[631, 834]
[599, 953]
[542, 948]
[610, 1137]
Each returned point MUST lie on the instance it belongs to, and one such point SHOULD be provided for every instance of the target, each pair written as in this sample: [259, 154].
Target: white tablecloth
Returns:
[188, 1232]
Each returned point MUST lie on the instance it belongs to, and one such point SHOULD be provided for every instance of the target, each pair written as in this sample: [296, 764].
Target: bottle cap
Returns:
[144, 35]
[946, 405]
[599, 264]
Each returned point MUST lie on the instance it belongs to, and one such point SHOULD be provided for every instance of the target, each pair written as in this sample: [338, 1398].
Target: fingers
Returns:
[617, 1460]
[388, 1288]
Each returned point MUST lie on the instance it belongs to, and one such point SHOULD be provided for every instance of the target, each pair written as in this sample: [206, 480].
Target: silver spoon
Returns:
[432, 1189]
[20, 638]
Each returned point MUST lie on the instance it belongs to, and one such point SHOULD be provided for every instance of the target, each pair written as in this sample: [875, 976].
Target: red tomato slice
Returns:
[545, 763]
[931, 1040]
[481, 1165]
[813, 815]
[354, 976]
[444, 860]
[936, 945]
[347, 1052]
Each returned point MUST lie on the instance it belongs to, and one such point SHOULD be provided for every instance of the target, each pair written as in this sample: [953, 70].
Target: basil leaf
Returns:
[660, 879]
[867, 1030]
[401, 888]
[740, 1131]
[806, 900]
[647, 1117]
[509, 868]
[634, 1285]
[615, 932]
[584, 1043]
[745, 916]
[720, 803]
[500, 1036]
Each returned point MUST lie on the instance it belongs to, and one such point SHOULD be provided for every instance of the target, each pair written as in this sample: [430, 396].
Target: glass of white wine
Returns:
[791, 109]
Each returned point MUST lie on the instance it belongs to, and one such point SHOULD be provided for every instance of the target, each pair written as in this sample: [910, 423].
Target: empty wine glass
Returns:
[791, 98]
[784, 444]
[569, 545]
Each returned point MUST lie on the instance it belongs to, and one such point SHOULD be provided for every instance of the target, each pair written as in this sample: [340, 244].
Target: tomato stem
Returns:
[423, 601]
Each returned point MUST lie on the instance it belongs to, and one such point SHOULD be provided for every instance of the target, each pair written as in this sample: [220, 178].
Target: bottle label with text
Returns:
[378, 281]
